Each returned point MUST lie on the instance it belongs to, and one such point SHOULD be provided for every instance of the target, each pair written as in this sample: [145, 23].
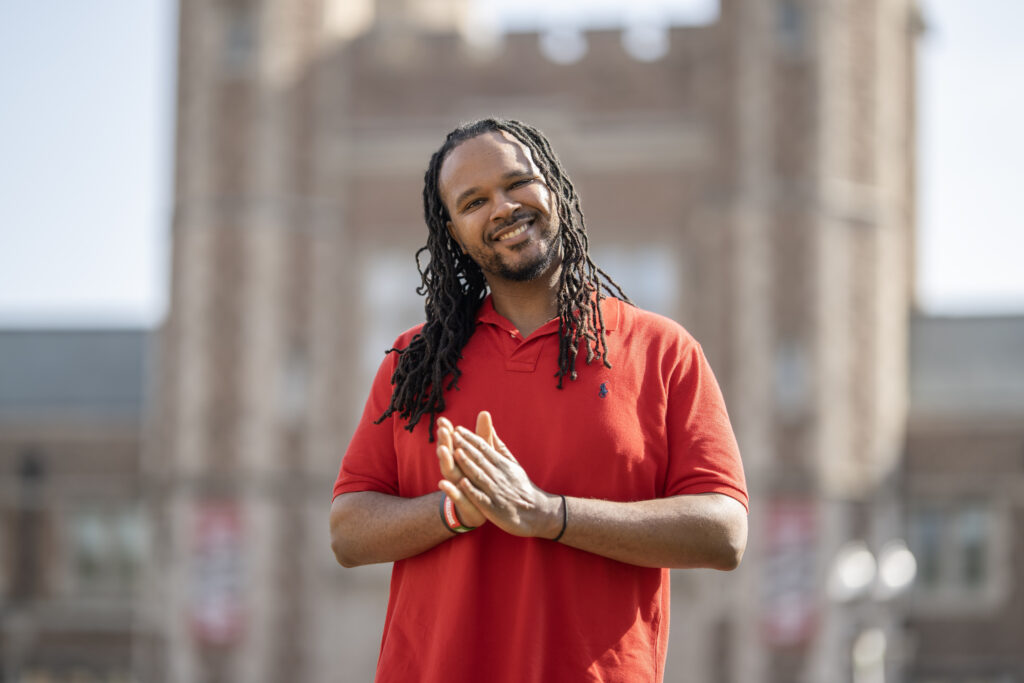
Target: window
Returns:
[650, 275]
[293, 396]
[240, 36]
[390, 305]
[958, 554]
[105, 550]
[790, 27]
[792, 379]
[926, 544]
[971, 539]
[5, 553]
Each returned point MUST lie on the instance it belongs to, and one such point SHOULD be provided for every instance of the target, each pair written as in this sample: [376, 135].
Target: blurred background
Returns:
[208, 214]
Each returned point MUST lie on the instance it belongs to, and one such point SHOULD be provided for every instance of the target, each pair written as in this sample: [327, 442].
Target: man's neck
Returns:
[527, 305]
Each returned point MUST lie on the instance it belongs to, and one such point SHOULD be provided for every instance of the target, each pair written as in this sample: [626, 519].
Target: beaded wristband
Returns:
[450, 517]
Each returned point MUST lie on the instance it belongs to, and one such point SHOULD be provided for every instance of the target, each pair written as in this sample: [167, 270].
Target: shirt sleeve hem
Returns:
[739, 495]
[361, 485]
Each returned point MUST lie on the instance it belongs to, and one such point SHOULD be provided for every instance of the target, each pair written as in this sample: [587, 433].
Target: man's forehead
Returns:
[493, 149]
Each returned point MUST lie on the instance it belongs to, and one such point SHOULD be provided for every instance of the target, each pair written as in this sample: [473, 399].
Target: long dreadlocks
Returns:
[455, 286]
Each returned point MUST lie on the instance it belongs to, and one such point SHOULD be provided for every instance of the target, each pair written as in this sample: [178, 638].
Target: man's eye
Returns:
[473, 204]
[520, 183]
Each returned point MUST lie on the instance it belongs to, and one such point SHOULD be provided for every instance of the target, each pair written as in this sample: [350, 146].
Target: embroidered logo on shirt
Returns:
[604, 390]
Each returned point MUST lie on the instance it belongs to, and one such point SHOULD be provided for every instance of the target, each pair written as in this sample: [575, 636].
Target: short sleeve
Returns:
[705, 457]
[369, 463]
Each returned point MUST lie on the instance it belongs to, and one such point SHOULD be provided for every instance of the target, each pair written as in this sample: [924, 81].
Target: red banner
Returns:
[217, 608]
[789, 613]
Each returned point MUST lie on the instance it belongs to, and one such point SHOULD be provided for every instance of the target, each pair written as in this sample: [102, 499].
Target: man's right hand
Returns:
[468, 512]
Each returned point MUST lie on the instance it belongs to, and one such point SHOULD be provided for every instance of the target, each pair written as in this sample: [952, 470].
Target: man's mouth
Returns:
[518, 231]
[521, 225]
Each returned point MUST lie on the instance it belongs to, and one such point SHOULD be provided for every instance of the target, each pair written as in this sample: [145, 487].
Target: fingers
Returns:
[468, 512]
[476, 450]
[500, 446]
[484, 449]
[464, 436]
[451, 490]
[453, 475]
[449, 470]
[444, 423]
[445, 429]
[485, 427]
[474, 465]
[445, 447]
[477, 498]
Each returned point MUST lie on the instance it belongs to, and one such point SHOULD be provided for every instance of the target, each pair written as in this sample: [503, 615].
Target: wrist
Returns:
[557, 518]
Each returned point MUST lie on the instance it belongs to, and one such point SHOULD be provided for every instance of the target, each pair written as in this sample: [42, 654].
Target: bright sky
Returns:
[86, 105]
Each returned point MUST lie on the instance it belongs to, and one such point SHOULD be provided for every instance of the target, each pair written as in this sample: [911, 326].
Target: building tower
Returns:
[239, 497]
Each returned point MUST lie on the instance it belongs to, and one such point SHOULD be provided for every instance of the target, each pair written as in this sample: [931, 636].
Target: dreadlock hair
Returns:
[455, 286]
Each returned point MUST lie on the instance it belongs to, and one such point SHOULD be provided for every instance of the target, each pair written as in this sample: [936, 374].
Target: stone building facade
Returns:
[754, 182]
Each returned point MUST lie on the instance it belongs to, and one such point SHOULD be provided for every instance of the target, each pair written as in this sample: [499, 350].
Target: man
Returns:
[531, 538]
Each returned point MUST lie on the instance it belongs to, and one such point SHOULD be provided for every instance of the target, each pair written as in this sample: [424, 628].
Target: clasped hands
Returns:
[486, 482]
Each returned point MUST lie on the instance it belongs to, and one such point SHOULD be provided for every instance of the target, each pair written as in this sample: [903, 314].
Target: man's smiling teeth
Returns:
[518, 231]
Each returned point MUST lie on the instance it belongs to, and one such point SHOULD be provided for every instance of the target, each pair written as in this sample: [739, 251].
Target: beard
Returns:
[525, 269]
[522, 267]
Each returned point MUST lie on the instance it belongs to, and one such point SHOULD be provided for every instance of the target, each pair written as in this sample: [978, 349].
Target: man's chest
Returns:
[601, 435]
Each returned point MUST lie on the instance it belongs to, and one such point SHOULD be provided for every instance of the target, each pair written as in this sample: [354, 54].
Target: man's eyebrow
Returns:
[517, 173]
[465, 195]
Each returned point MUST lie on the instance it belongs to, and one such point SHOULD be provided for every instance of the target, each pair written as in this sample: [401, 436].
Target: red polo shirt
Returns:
[490, 606]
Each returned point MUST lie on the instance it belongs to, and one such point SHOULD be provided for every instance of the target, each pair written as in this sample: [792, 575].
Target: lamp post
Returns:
[858, 577]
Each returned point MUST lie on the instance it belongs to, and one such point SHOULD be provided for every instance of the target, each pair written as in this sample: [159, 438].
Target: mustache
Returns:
[516, 217]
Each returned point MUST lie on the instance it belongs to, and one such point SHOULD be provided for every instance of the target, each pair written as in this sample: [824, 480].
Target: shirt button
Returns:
[512, 334]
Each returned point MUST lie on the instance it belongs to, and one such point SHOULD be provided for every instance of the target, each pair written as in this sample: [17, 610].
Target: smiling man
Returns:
[532, 501]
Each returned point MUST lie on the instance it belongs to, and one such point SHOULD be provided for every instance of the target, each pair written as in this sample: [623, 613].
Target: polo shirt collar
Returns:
[486, 314]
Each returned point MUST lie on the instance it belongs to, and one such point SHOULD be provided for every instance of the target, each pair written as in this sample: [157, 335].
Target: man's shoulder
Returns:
[638, 321]
[405, 338]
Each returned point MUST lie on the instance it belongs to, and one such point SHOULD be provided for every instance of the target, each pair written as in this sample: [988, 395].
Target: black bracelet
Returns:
[565, 519]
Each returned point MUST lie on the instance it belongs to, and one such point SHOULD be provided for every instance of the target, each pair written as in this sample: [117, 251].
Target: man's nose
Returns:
[504, 207]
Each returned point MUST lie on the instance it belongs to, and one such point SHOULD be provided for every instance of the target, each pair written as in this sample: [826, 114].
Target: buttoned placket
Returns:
[521, 355]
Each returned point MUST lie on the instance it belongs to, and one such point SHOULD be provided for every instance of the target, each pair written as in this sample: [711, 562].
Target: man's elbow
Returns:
[732, 537]
[731, 555]
[341, 550]
[342, 545]
[342, 553]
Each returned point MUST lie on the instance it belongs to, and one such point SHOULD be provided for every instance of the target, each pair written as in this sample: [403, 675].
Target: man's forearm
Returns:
[692, 531]
[369, 527]
[700, 530]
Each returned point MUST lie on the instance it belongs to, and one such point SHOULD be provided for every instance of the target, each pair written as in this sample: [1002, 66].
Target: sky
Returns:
[86, 155]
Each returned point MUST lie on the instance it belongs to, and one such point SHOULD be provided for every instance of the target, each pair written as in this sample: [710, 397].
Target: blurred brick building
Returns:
[964, 485]
[751, 178]
[72, 530]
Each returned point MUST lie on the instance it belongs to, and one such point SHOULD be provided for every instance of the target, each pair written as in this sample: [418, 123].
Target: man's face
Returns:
[502, 212]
